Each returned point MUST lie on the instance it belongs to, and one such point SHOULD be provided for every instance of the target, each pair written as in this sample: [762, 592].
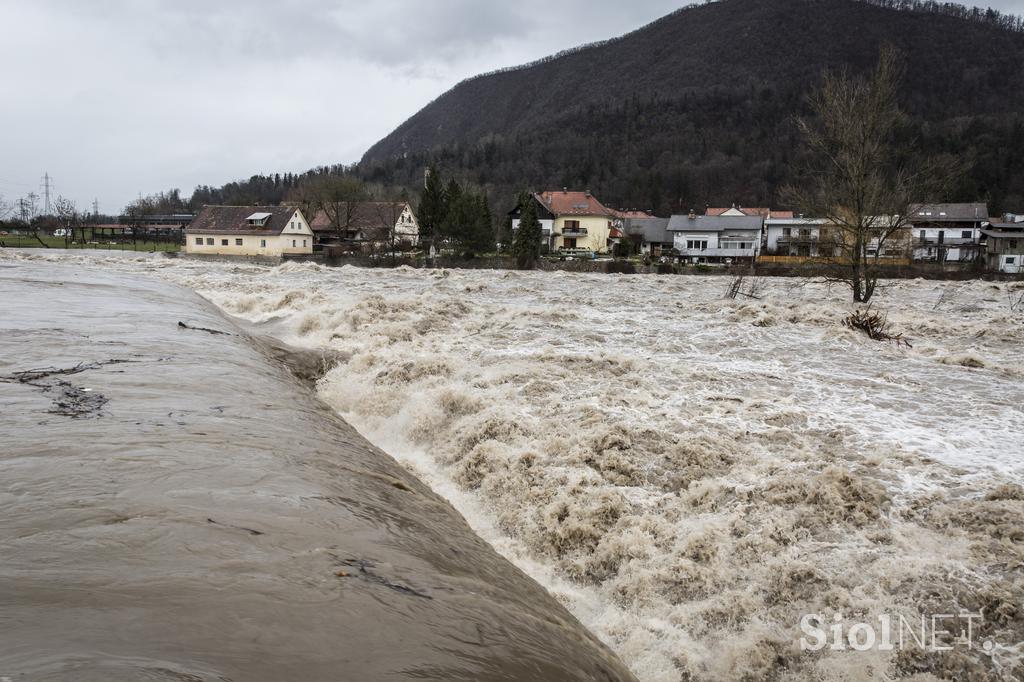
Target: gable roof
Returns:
[705, 223]
[949, 213]
[763, 212]
[572, 203]
[1005, 231]
[367, 216]
[233, 220]
[650, 230]
[631, 213]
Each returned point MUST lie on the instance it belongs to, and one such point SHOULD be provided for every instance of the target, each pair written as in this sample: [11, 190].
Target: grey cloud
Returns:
[114, 97]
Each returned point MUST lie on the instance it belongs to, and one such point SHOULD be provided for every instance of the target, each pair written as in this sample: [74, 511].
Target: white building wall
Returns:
[1011, 263]
[296, 238]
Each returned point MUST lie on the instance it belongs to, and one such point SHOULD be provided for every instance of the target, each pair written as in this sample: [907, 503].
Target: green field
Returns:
[29, 241]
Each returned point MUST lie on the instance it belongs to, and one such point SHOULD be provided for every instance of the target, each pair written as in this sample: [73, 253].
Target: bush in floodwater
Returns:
[622, 267]
[875, 326]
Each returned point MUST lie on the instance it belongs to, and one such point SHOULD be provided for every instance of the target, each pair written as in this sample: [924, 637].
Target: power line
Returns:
[47, 180]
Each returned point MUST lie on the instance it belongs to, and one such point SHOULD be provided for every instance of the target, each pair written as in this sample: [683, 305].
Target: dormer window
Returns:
[258, 219]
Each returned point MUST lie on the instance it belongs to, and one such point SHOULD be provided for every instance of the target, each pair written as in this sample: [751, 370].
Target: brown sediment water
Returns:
[176, 505]
[690, 475]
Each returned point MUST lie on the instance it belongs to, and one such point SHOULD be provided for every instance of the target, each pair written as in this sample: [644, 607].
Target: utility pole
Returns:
[47, 180]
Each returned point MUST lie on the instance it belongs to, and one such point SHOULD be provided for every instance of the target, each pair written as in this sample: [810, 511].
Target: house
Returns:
[947, 232]
[716, 239]
[651, 235]
[272, 231]
[738, 211]
[791, 236]
[368, 225]
[1004, 246]
[571, 221]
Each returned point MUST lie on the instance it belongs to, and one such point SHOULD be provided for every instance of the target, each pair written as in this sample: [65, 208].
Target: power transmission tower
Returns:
[47, 180]
[96, 207]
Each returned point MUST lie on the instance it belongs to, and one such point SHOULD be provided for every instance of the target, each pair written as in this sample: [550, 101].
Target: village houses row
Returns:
[575, 224]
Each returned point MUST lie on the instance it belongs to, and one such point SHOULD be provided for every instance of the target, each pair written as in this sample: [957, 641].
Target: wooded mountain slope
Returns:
[696, 108]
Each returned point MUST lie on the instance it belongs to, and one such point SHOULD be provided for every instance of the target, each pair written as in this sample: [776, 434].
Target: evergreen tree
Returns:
[431, 209]
[526, 242]
[455, 213]
[479, 235]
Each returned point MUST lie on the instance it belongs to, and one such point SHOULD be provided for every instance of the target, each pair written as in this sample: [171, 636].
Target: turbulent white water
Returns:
[690, 474]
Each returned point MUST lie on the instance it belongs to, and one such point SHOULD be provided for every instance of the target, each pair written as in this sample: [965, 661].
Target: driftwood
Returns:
[1016, 300]
[875, 326]
[752, 290]
[182, 325]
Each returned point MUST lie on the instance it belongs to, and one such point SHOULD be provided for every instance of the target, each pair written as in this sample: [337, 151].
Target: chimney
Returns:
[586, 192]
[693, 214]
[565, 190]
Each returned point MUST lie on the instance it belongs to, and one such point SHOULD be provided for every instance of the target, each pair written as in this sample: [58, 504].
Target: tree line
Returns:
[454, 216]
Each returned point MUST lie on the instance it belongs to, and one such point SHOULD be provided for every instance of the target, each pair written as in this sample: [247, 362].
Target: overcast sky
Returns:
[118, 97]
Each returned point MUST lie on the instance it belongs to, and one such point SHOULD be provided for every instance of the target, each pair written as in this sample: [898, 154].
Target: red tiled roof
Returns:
[225, 219]
[367, 216]
[572, 203]
[631, 214]
[763, 212]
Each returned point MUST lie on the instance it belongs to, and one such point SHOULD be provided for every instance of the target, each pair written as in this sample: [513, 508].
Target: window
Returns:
[697, 243]
[966, 234]
[199, 240]
[572, 224]
[238, 242]
[303, 242]
[1010, 260]
[923, 235]
[293, 243]
[263, 243]
[1012, 243]
[209, 241]
[223, 242]
[787, 231]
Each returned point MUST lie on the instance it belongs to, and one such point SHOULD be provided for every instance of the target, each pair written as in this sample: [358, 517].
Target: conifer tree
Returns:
[526, 242]
[431, 209]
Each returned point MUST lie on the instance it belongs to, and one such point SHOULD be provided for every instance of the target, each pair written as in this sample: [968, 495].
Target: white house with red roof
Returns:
[270, 231]
[573, 222]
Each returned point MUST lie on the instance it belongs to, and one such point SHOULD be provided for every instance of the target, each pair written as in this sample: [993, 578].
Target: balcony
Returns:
[930, 241]
[717, 253]
[797, 239]
[574, 232]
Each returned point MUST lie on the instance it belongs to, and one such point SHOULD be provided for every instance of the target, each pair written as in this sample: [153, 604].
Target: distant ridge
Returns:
[697, 106]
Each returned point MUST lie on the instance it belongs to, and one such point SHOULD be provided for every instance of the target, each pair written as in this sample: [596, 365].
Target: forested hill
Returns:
[697, 108]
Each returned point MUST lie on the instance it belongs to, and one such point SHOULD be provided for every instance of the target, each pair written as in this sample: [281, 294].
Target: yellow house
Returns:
[271, 231]
[572, 221]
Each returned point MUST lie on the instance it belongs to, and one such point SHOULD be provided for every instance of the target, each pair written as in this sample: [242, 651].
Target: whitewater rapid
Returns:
[688, 474]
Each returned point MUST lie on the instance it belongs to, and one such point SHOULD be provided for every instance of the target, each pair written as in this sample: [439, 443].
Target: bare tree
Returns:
[389, 213]
[67, 217]
[860, 179]
[136, 212]
[336, 196]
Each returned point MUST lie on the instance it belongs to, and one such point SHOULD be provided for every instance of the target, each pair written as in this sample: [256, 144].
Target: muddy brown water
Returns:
[176, 505]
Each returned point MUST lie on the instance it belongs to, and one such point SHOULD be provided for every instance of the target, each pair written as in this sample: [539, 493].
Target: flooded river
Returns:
[176, 505]
[688, 475]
